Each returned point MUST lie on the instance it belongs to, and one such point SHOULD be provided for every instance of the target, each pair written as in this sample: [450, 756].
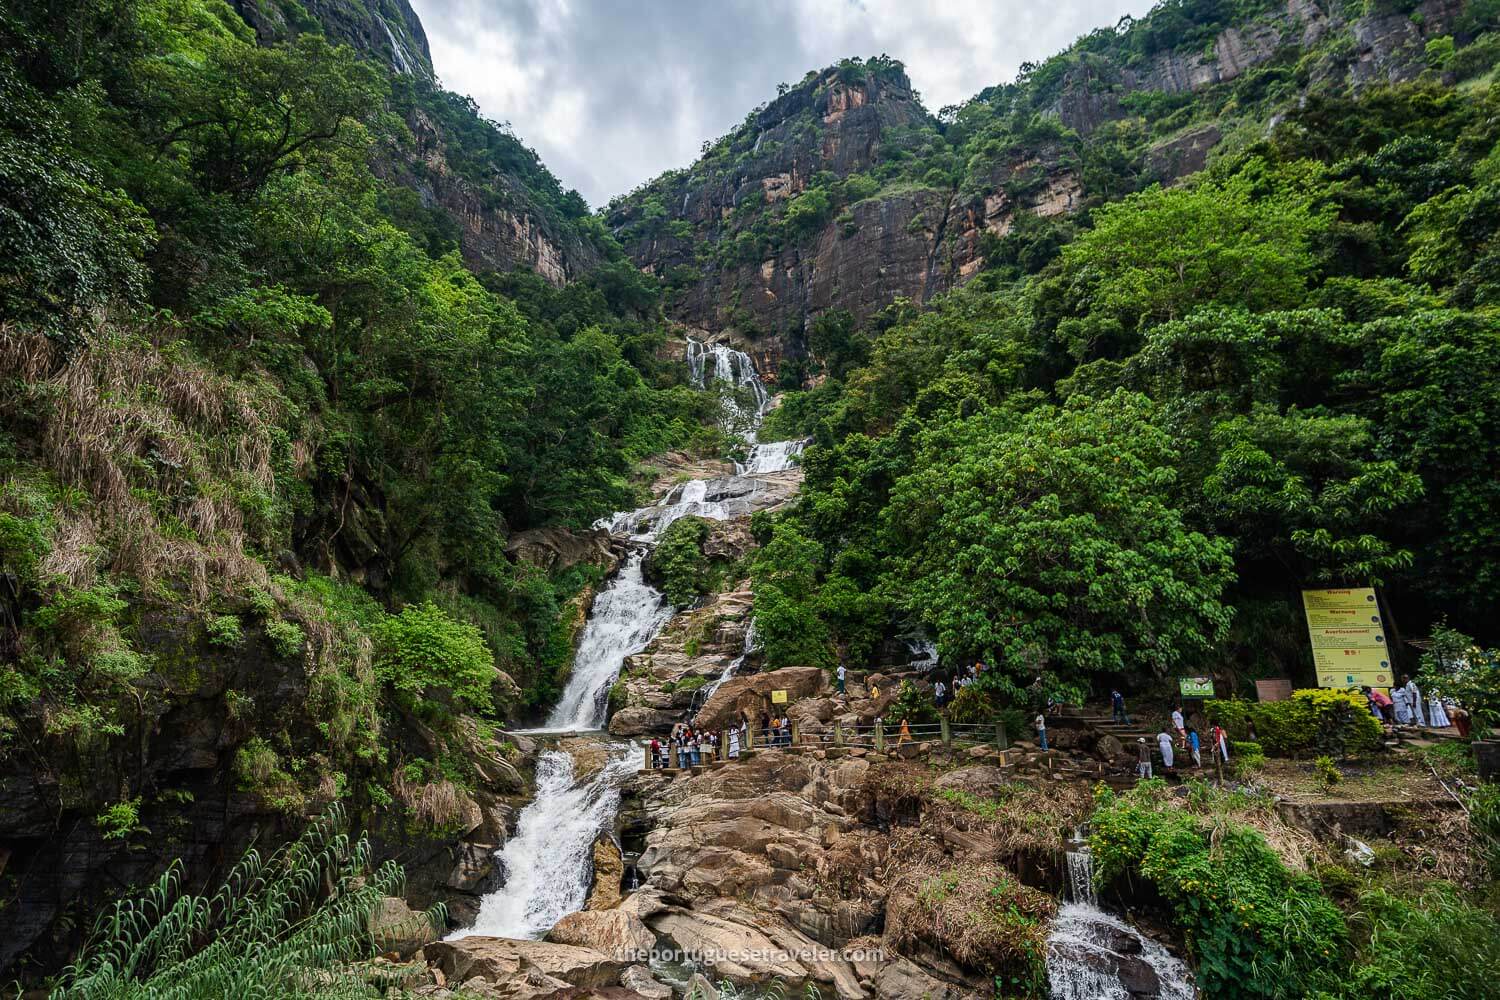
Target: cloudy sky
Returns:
[613, 92]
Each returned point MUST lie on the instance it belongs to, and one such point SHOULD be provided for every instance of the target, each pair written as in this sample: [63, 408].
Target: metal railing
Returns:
[879, 737]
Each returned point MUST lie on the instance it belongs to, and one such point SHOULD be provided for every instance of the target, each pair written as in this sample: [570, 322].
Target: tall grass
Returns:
[291, 925]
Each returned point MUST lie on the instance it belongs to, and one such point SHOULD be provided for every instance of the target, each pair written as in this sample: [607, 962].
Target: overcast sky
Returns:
[613, 92]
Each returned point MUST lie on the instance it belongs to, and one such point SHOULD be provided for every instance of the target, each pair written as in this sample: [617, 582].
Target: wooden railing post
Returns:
[649, 761]
[947, 734]
[723, 744]
[749, 737]
[879, 735]
[1001, 742]
[796, 734]
[838, 735]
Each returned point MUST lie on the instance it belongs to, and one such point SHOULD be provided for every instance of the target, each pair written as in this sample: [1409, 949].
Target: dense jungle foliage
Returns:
[254, 404]
[1126, 456]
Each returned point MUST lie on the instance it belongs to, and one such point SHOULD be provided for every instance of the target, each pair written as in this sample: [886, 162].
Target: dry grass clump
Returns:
[174, 460]
[894, 790]
[979, 914]
[436, 804]
[1019, 817]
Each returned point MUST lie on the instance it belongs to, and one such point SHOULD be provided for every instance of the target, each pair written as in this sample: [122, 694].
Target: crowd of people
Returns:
[695, 747]
[1405, 706]
[1177, 738]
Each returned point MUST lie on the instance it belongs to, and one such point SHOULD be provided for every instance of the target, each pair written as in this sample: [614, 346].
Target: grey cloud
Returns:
[613, 93]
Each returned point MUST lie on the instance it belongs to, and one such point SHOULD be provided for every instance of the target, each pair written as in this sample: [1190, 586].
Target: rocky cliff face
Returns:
[502, 204]
[913, 204]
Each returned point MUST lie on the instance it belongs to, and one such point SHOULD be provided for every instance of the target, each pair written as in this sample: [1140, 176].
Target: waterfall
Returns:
[773, 456]
[627, 615]
[707, 691]
[549, 862]
[1094, 955]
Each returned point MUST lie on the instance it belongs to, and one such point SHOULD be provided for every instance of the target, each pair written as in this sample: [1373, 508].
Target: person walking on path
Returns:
[1041, 730]
[940, 693]
[1400, 700]
[1221, 743]
[1414, 696]
[905, 735]
[1181, 727]
[1164, 743]
[1142, 758]
[1117, 707]
[1196, 749]
[841, 673]
[1437, 714]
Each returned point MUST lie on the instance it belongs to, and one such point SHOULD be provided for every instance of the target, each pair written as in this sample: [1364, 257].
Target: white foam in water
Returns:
[774, 456]
[548, 863]
[1079, 952]
[627, 615]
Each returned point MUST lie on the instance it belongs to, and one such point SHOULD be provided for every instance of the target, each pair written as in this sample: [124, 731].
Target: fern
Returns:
[292, 925]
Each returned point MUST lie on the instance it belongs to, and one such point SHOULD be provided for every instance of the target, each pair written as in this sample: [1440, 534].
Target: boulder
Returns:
[396, 927]
[609, 874]
[639, 979]
[984, 780]
[753, 693]
[621, 936]
[496, 960]
[641, 721]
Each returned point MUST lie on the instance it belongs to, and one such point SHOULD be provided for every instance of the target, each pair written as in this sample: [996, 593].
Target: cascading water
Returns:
[773, 456]
[1094, 955]
[707, 691]
[545, 864]
[627, 615]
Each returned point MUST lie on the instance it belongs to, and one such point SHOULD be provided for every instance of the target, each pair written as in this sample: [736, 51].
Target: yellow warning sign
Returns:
[1348, 637]
[778, 697]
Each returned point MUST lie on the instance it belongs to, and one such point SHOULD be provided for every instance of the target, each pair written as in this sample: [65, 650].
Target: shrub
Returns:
[678, 564]
[1256, 928]
[224, 630]
[286, 637]
[1337, 723]
[423, 648]
[1328, 772]
[121, 820]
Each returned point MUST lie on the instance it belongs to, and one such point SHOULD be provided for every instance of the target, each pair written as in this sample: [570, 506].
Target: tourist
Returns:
[734, 741]
[1164, 742]
[905, 735]
[840, 673]
[765, 728]
[1383, 702]
[1250, 731]
[655, 753]
[874, 692]
[1195, 748]
[1370, 701]
[1437, 715]
[696, 749]
[786, 730]
[1117, 707]
[1040, 722]
[1414, 697]
[939, 693]
[1402, 702]
[1181, 727]
[1221, 742]
[1142, 758]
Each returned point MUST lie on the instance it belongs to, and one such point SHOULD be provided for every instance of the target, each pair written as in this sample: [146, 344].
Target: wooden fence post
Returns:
[947, 734]
[838, 735]
[1001, 742]
[723, 744]
[796, 734]
[879, 735]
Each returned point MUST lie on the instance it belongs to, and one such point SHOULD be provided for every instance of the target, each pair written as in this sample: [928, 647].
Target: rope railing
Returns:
[876, 736]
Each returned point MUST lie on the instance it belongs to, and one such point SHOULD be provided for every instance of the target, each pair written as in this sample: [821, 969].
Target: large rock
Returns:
[752, 694]
[609, 874]
[639, 979]
[641, 721]
[621, 936]
[396, 927]
[982, 780]
[496, 960]
[557, 549]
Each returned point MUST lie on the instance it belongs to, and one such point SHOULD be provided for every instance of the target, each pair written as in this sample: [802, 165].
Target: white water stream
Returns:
[547, 864]
[1094, 955]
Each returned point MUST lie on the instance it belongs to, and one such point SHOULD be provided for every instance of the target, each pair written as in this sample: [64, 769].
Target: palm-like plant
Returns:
[291, 925]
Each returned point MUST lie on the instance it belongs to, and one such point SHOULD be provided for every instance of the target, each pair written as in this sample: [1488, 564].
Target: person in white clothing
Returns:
[1179, 724]
[734, 743]
[1164, 742]
[1414, 696]
[1401, 706]
[1437, 715]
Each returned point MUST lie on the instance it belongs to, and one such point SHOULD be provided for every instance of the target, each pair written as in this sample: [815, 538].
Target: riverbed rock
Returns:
[619, 935]
[639, 979]
[396, 927]
[496, 960]
[641, 721]
[609, 874]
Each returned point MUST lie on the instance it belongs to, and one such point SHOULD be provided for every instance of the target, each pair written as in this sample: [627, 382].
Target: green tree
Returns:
[1049, 538]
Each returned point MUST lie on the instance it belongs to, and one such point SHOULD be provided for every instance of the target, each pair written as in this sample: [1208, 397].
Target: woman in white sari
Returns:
[734, 743]
[1401, 705]
[1437, 715]
[1414, 696]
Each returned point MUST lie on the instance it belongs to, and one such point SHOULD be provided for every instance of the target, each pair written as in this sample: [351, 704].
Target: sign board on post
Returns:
[1274, 689]
[1196, 687]
[778, 697]
[1348, 637]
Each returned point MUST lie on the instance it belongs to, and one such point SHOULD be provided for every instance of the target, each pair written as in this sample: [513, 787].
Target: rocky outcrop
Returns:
[621, 936]
[748, 696]
[509, 961]
[396, 927]
[556, 549]
[387, 31]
